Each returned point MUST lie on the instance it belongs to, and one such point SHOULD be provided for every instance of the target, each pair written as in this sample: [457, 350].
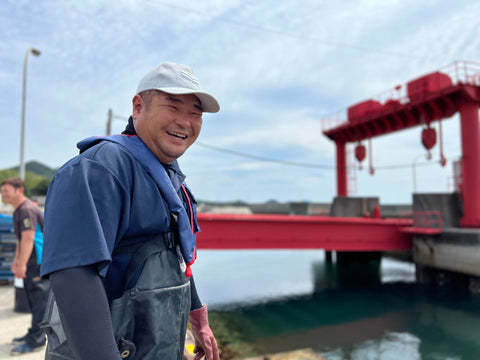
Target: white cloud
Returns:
[276, 67]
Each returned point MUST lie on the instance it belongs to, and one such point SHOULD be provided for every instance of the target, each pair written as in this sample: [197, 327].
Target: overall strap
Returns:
[155, 169]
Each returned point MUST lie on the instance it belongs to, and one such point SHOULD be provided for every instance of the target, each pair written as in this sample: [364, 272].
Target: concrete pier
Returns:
[454, 250]
[454, 254]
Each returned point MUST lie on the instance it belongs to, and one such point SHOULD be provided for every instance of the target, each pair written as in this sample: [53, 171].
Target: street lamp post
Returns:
[22, 126]
[111, 116]
[414, 166]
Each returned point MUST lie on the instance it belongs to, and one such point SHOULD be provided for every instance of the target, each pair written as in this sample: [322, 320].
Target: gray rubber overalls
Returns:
[150, 319]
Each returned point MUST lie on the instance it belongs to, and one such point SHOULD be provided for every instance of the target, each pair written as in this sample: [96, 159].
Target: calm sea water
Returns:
[285, 300]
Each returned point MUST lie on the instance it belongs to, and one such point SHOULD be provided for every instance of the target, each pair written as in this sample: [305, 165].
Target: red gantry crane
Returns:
[420, 102]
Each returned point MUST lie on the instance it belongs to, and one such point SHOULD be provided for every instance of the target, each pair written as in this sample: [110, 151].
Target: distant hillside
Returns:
[38, 168]
[37, 177]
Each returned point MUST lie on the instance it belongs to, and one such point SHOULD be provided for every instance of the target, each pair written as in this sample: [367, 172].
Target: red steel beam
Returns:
[342, 181]
[470, 128]
[352, 132]
[229, 231]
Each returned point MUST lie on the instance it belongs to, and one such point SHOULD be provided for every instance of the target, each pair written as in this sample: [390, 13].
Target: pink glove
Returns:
[205, 343]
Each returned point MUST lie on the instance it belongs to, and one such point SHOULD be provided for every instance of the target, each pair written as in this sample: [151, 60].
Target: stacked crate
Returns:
[8, 242]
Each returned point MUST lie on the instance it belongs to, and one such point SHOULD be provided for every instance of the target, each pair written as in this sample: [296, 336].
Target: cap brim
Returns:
[209, 103]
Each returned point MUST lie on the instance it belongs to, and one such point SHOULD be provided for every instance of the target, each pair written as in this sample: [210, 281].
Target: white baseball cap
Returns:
[177, 79]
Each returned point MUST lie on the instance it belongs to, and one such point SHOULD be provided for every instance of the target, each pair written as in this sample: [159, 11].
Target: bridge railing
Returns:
[427, 219]
[425, 222]
[463, 72]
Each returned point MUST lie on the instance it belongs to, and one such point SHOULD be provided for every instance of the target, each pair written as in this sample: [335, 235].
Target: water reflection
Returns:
[230, 278]
[276, 301]
[391, 346]
[226, 278]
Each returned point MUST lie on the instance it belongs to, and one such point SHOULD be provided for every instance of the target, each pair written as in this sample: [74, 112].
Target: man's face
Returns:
[9, 194]
[170, 125]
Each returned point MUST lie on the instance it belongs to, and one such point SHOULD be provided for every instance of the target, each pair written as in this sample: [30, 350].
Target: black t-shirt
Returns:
[28, 216]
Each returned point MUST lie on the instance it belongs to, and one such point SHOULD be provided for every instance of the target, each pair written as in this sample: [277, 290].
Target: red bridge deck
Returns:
[228, 231]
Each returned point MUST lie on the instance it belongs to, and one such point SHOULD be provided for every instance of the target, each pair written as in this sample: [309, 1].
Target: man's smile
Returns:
[177, 135]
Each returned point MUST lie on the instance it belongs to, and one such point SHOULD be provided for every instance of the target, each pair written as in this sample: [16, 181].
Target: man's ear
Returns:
[138, 105]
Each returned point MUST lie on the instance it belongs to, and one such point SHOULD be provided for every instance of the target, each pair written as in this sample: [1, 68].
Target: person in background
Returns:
[120, 227]
[28, 227]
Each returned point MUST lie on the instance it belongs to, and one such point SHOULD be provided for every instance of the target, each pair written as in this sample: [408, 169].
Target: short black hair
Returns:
[16, 182]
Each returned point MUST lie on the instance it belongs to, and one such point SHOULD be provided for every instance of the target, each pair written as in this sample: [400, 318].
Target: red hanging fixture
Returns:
[360, 153]
[429, 137]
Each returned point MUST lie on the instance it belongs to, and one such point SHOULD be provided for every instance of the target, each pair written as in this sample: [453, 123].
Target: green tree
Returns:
[4, 174]
[34, 184]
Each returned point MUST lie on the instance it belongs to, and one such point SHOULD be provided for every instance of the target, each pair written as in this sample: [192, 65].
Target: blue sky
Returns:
[277, 69]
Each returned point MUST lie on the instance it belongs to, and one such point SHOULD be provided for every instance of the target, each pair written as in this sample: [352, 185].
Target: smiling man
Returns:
[120, 228]
[171, 124]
